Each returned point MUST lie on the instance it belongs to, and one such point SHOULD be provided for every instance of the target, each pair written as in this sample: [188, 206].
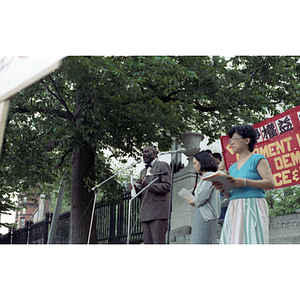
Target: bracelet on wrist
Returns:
[245, 179]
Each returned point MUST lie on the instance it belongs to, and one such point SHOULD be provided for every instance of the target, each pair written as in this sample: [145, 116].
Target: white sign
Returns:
[17, 73]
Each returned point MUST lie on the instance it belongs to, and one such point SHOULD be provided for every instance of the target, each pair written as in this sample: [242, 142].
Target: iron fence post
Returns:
[10, 236]
[47, 222]
[28, 232]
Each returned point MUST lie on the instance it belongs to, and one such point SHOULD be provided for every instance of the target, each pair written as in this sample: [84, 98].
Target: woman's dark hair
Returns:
[246, 131]
[207, 162]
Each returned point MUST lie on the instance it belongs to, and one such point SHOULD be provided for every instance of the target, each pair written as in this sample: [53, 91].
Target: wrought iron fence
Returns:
[112, 222]
[20, 236]
[38, 232]
[111, 226]
[6, 238]
[63, 229]
[32, 233]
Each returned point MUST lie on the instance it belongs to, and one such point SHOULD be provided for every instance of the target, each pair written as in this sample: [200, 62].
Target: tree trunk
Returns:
[83, 160]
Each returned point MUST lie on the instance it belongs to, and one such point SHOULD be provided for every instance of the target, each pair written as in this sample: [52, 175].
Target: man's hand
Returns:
[142, 182]
[130, 186]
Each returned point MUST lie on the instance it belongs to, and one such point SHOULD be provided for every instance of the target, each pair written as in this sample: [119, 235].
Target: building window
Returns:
[24, 199]
[22, 223]
[23, 211]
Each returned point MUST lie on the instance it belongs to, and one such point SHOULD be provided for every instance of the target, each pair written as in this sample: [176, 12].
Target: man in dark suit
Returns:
[155, 199]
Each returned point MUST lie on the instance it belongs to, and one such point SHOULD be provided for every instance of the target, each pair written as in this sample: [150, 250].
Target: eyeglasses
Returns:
[235, 139]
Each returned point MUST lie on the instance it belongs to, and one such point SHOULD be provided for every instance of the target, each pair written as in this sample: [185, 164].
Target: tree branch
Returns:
[253, 74]
[63, 158]
[202, 108]
[57, 112]
[58, 97]
[83, 105]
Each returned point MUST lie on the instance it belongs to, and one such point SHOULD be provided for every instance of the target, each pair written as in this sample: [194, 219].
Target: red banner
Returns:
[278, 139]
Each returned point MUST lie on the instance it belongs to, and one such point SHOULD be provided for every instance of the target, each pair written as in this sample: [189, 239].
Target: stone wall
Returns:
[282, 230]
[285, 229]
[182, 212]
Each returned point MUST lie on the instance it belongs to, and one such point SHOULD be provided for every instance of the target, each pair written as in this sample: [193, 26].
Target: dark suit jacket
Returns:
[155, 198]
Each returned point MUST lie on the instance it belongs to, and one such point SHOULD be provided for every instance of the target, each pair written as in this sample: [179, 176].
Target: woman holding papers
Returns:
[247, 217]
[206, 202]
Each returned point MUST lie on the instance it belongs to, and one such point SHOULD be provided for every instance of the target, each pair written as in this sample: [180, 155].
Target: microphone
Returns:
[161, 173]
[134, 163]
[180, 150]
[95, 188]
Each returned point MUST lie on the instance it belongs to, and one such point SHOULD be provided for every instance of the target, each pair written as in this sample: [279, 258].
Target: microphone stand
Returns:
[95, 189]
[171, 195]
[129, 207]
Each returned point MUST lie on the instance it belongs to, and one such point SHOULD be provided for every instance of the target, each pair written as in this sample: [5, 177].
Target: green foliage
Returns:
[283, 201]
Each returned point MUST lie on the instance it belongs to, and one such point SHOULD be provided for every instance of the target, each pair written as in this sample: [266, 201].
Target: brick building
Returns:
[33, 209]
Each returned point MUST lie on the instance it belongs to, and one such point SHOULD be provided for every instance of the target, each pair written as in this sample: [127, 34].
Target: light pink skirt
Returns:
[246, 222]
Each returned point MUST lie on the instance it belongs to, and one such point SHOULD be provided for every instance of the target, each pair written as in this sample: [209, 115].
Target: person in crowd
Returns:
[209, 152]
[154, 210]
[224, 200]
[247, 217]
[220, 162]
[206, 202]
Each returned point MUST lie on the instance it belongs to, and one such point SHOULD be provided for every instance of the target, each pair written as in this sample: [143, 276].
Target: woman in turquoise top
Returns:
[247, 217]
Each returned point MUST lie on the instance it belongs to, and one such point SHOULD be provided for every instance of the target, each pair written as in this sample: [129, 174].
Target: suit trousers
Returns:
[155, 231]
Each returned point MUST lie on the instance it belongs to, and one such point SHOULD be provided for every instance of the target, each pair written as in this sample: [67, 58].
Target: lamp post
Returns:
[191, 142]
[183, 178]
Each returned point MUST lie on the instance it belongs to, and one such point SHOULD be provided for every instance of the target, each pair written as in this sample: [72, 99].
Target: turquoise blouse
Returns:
[249, 171]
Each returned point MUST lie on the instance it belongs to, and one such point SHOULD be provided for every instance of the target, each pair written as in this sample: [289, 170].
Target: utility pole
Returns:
[57, 209]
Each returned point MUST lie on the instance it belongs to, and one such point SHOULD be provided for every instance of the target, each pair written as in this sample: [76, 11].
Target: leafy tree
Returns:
[70, 117]
[283, 201]
[63, 123]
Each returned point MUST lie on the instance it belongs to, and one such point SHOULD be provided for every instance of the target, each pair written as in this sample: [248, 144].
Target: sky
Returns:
[7, 218]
